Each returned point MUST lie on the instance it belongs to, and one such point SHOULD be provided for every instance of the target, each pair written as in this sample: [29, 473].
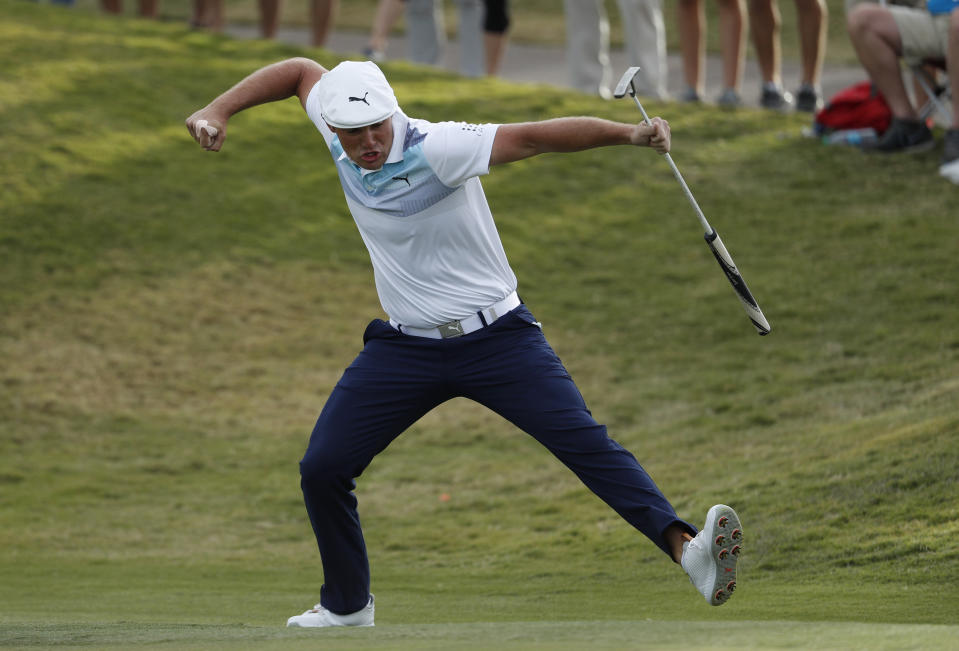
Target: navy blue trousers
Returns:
[396, 379]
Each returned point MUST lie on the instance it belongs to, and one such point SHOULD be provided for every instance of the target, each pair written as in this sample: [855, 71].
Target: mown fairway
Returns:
[171, 322]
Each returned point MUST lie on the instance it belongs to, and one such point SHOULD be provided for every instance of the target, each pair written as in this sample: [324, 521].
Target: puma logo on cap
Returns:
[343, 105]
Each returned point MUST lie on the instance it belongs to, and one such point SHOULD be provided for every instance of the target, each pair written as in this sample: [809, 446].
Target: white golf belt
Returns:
[465, 326]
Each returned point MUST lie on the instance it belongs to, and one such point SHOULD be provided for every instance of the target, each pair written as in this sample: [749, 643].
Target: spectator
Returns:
[691, 16]
[930, 72]
[472, 61]
[587, 45]
[322, 13]
[495, 26]
[427, 39]
[207, 14]
[426, 33]
[146, 8]
[950, 154]
[387, 13]
[765, 24]
[884, 35]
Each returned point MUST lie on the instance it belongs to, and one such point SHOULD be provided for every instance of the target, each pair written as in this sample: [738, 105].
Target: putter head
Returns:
[626, 83]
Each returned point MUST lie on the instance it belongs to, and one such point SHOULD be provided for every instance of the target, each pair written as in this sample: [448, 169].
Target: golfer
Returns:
[456, 325]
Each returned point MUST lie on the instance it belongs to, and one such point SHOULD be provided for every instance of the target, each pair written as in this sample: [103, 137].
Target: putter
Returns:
[712, 237]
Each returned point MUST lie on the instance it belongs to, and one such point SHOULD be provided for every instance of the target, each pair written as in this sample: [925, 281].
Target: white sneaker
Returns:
[710, 558]
[950, 170]
[319, 616]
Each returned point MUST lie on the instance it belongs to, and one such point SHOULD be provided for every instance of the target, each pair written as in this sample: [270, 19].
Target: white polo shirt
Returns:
[436, 253]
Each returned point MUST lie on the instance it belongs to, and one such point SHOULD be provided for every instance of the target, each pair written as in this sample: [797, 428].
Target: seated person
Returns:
[884, 35]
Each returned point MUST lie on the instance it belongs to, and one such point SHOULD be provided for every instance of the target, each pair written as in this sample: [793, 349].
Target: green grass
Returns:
[172, 320]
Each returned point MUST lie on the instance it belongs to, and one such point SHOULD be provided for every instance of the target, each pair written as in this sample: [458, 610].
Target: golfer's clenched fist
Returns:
[210, 132]
[655, 135]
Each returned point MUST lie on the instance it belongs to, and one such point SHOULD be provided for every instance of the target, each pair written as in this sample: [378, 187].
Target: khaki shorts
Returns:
[920, 4]
[924, 36]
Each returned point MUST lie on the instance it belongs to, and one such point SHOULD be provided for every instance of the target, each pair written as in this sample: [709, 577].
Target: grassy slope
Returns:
[172, 320]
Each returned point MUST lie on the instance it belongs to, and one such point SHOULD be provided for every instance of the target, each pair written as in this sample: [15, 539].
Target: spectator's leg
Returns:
[645, 34]
[323, 14]
[949, 167]
[148, 8]
[387, 13]
[269, 17]
[875, 37]
[494, 45]
[587, 46]
[472, 56]
[811, 15]
[691, 20]
[495, 27]
[217, 16]
[425, 31]
[732, 19]
[952, 65]
[208, 14]
[764, 24]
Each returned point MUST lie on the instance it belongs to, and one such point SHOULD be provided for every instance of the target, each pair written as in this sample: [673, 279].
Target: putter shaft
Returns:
[679, 177]
[715, 243]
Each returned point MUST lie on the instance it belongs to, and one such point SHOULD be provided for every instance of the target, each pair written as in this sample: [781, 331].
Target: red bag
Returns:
[858, 107]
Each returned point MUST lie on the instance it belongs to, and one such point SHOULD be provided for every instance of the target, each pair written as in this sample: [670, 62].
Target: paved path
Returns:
[545, 64]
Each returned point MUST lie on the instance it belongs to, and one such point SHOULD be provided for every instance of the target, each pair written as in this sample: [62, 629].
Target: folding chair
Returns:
[931, 77]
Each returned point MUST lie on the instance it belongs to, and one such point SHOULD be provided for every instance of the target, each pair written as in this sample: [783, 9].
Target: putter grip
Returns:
[736, 280]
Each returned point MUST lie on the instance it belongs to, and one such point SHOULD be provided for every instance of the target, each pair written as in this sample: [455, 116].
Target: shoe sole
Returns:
[725, 533]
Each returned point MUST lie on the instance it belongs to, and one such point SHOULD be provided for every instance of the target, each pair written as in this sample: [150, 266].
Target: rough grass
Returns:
[172, 321]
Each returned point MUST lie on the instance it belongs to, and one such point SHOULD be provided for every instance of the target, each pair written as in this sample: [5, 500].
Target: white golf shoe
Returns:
[318, 616]
[710, 558]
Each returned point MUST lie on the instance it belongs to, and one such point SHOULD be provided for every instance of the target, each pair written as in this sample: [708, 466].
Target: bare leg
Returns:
[148, 8]
[387, 13]
[691, 18]
[812, 38]
[495, 45]
[877, 42]
[324, 15]
[208, 14]
[215, 15]
[112, 6]
[269, 17]
[732, 16]
[764, 23]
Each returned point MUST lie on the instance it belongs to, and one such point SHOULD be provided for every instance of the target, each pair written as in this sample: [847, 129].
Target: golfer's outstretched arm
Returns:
[517, 141]
[270, 84]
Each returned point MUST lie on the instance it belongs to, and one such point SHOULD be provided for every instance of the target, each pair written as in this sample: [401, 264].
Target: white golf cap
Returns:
[355, 94]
